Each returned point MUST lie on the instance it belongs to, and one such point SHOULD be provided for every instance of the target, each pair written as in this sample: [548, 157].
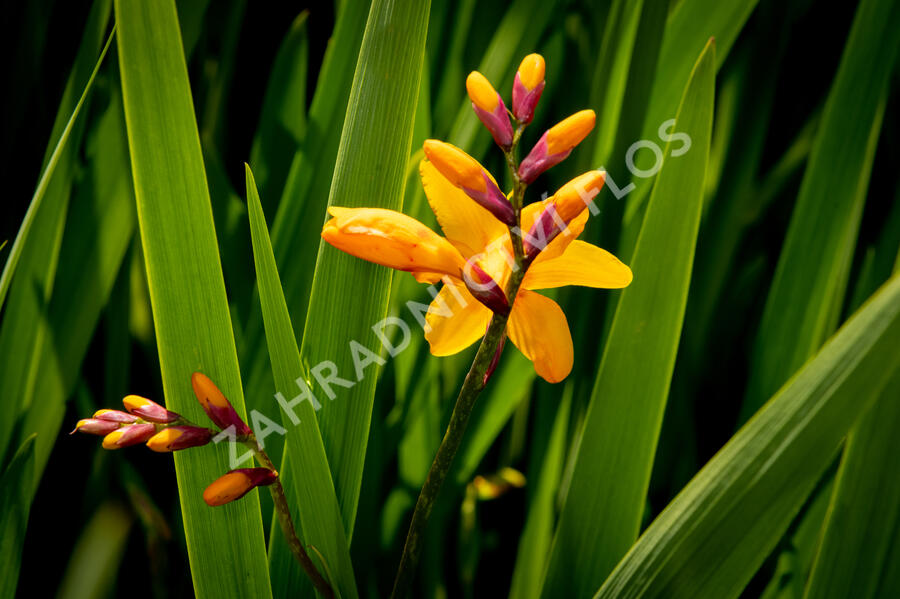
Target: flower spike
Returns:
[128, 436]
[464, 172]
[490, 109]
[174, 438]
[236, 484]
[216, 406]
[527, 87]
[149, 410]
[556, 144]
[93, 426]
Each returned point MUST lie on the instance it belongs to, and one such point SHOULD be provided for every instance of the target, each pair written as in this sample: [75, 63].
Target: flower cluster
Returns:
[162, 430]
[496, 251]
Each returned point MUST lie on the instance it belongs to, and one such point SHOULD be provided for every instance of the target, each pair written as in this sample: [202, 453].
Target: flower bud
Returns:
[216, 406]
[485, 289]
[544, 230]
[178, 437]
[236, 484]
[115, 416]
[572, 198]
[527, 87]
[489, 108]
[149, 410]
[464, 172]
[93, 426]
[556, 144]
[128, 435]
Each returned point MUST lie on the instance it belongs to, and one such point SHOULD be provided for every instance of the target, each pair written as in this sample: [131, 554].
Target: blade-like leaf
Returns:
[15, 503]
[63, 132]
[282, 120]
[602, 513]
[295, 230]
[190, 312]
[350, 296]
[37, 244]
[808, 290]
[537, 535]
[304, 470]
[711, 539]
[864, 513]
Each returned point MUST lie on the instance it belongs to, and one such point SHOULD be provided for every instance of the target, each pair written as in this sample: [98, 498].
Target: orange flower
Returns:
[456, 320]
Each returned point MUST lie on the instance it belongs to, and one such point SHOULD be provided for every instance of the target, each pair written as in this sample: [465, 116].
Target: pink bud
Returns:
[485, 289]
[129, 435]
[93, 426]
[115, 416]
[527, 87]
[149, 410]
[490, 109]
[178, 437]
[539, 160]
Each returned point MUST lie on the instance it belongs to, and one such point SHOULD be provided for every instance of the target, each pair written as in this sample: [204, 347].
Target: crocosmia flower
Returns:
[473, 236]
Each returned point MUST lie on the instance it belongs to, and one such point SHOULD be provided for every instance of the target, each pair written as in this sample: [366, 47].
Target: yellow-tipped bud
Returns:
[236, 484]
[481, 92]
[179, 437]
[572, 198]
[567, 134]
[111, 440]
[163, 440]
[531, 71]
[458, 167]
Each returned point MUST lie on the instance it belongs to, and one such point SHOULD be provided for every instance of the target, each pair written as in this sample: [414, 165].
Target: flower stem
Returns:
[283, 512]
[472, 386]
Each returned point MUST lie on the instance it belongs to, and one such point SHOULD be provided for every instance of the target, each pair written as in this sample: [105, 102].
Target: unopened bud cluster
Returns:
[506, 127]
[162, 430]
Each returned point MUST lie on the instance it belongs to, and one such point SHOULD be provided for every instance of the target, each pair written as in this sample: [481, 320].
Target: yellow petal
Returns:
[538, 327]
[467, 225]
[581, 264]
[531, 71]
[456, 320]
[391, 239]
[481, 92]
[568, 133]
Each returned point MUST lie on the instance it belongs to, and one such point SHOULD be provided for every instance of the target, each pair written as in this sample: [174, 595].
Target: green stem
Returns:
[472, 386]
[283, 512]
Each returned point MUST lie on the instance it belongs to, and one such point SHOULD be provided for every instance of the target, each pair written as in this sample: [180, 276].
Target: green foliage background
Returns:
[729, 428]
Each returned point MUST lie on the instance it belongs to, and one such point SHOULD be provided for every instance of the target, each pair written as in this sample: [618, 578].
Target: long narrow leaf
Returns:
[187, 292]
[804, 303]
[604, 505]
[711, 539]
[350, 296]
[304, 470]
